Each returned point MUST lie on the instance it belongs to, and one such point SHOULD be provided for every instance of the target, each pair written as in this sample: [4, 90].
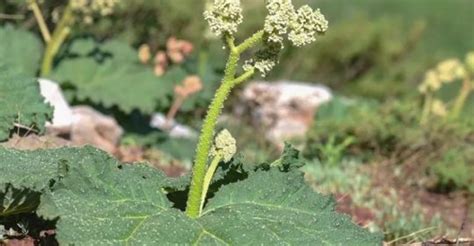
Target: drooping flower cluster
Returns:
[224, 145]
[89, 8]
[224, 16]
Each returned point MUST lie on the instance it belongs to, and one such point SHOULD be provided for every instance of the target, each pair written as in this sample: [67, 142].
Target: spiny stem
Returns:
[244, 77]
[207, 179]
[207, 133]
[255, 39]
[40, 19]
[196, 192]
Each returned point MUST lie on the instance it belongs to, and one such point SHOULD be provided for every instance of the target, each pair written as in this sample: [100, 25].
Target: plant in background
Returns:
[300, 26]
[190, 86]
[333, 151]
[447, 72]
[454, 170]
[75, 11]
[176, 52]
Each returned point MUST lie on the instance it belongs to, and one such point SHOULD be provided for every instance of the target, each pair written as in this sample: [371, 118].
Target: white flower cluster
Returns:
[301, 26]
[224, 16]
[88, 8]
[224, 145]
[307, 24]
[280, 13]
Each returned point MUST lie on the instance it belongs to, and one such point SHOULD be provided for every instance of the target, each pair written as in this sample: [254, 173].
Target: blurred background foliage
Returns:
[373, 48]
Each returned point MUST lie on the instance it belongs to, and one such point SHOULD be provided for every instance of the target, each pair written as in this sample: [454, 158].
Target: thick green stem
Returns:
[206, 137]
[60, 34]
[461, 99]
[193, 206]
[207, 179]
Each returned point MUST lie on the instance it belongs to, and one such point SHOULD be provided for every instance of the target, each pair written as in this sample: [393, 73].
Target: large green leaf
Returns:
[20, 50]
[21, 103]
[109, 204]
[24, 174]
[110, 74]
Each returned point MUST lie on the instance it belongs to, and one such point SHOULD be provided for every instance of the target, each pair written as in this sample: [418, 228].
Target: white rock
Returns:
[83, 124]
[174, 129]
[63, 116]
[285, 108]
[95, 128]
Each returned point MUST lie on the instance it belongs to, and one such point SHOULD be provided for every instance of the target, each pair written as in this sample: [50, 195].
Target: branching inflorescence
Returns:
[300, 26]
[447, 72]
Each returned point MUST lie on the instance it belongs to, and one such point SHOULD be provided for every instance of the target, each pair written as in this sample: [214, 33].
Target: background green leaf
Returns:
[110, 74]
[20, 50]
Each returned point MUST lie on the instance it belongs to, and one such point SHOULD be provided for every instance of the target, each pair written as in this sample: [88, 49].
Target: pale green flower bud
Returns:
[307, 24]
[224, 145]
[224, 16]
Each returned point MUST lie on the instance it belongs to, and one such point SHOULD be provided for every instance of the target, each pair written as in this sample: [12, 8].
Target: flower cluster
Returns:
[301, 26]
[438, 108]
[307, 24]
[191, 85]
[265, 59]
[176, 52]
[224, 145]
[224, 16]
[446, 72]
[88, 8]
[280, 13]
